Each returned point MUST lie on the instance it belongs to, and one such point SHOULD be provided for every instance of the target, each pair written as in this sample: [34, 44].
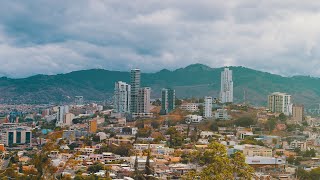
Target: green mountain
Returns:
[196, 80]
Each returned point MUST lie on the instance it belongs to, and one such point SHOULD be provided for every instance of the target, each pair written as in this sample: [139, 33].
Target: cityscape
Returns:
[159, 90]
[135, 136]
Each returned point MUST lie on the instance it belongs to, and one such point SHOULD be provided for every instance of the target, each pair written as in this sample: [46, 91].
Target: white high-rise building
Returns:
[280, 103]
[144, 104]
[122, 97]
[62, 111]
[226, 93]
[135, 87]
[208, 107]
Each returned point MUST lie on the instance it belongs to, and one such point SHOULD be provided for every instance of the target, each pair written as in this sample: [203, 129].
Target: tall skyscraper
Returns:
[297, 112]
[167, 100]
[135, 87]
[226, 93]
[144, 100]
[122, 97]
[280, 103]
[208, 107]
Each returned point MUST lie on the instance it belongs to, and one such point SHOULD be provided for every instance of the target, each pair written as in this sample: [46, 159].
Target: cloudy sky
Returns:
[50, 37]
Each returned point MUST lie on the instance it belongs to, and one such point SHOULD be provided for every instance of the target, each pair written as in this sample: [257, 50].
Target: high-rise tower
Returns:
[122, 97]
[167, 100]
[208, 107]
[226, 93]
[135, 86]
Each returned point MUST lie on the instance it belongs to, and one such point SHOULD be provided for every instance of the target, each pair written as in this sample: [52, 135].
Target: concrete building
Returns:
[226, 93]
[191, 107]
[167, 100]
[135, 87]
[122, 97]
[142, 160]
[61, 112]
[297, 112]
[144, 104]
[11, 134]
[221, 114]
[68, 119]
[280, 103]
[302, 145]
[93, 126]
[208, 107]
[251, 151]
[193, 118]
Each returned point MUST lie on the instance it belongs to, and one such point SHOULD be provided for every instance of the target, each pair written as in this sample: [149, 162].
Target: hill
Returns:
[195, 80]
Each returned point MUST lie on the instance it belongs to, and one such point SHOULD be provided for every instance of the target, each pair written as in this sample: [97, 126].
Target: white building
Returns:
[259, 160]
[144, 104]
[226, 93]
[62, 111]
[142, 160]
[280, 103]
[221, 114]
[208, 107]
[191, 107]
[193, 118]
[122, 97]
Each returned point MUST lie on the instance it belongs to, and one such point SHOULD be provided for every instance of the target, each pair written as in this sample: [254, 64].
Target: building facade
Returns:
[144, 104]
[135, 77]
[222, 114]
[191, 107]
[280, 103]
[61, 112]
[226, 93]
[297, 112]
[122, 97]
[11, 134]
[167, 100]
[93, 126]
[208, 107]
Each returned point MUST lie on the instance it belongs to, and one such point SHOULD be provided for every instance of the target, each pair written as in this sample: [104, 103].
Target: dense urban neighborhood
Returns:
[135, 136]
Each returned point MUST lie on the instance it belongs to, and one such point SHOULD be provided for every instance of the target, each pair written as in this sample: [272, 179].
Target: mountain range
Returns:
[195, 80]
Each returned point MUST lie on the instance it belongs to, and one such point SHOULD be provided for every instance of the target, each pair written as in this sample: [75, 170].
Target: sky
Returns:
[60, 36]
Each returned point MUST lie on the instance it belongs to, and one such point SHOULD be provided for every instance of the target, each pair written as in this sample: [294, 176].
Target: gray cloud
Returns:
[50, 37]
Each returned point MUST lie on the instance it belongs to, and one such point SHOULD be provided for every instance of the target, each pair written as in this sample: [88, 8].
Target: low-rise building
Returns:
[302, 145]
[222, 114]
[251, 151]
[191, 107]
[193, 118]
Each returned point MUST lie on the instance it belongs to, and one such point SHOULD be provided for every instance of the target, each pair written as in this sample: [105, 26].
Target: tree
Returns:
[302, 174]
[218, 166]
[148, 169]
[240, 168]
[282, 117]
[290, 159]
[178, 102]
[96, 167]
[155, 124]
[271, 124]
[244, 121]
